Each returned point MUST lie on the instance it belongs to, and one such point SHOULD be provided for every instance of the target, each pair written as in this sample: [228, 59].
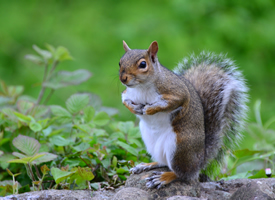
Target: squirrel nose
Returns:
[124, 79]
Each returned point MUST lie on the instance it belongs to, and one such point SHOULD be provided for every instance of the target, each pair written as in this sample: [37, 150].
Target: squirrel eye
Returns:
[142, 65]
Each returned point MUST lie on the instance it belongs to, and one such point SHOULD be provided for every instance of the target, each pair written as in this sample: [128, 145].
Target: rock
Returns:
[63, 195]
[184, 198]
[52, 195]
[132, 193]
[243, 189]
[174, 188]
[135, 189]
[254, 190]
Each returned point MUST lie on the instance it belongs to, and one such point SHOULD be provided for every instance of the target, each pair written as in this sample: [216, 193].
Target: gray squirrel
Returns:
[189, 117]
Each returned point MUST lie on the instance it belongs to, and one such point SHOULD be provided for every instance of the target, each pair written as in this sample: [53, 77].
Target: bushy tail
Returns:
[223, 93]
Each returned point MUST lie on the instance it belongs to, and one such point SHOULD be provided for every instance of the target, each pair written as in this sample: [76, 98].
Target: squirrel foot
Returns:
[144, 167]
[160, 179]
[134, 108]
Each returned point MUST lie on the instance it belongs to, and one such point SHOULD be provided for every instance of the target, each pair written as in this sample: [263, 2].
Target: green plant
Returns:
[260, 155]
[80, 145]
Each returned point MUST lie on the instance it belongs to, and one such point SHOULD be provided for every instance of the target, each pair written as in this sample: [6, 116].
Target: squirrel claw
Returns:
[154, 180]
[138, 169]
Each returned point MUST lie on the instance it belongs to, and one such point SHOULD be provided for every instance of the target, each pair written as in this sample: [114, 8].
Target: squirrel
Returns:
[189, 117]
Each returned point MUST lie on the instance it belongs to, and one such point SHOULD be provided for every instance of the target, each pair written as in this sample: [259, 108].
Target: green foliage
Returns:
[250, 163]
[81, 145]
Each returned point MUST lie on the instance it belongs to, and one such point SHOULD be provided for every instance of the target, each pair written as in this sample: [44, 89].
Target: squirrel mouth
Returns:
[130, 85]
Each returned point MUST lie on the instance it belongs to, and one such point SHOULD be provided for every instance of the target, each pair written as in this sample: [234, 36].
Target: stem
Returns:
[13, 184]
[89, 185]
[41, 93]
[31, 172]
[39, 176]
[53, 67]
[44, 79]
[49, 96]
[51, 184]
[86, 162]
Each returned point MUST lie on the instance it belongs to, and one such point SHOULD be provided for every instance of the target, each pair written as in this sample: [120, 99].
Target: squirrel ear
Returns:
[125, 46]
[153, 50]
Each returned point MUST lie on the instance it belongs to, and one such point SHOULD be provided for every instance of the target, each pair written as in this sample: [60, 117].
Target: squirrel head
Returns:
[137, 67]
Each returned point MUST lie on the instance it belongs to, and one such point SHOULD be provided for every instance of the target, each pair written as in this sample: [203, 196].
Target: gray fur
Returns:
[223, 93]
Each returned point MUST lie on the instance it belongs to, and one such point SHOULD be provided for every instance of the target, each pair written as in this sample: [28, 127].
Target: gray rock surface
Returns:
[135, 189]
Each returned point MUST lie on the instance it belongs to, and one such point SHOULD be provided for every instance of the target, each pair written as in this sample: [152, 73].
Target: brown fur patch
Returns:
[129, 108]
[168, 177]
[150, 164]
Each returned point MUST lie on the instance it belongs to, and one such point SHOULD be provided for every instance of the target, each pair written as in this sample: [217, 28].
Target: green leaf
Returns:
[114, 162]
[87, 128]
[101, 119]
[27, 145]
[35, 59]
[46, 158]
[22, 117]
[109, 111]
[60, 175]
[134, 133]
[82, 147]
[89, 113]
[65, 78]
[60, 112]
[135, 141]
[62, 53]
[3, 140]
[44, 53]
[72, 162]
[50, 48]
[5, 100]
[24, 106]
[77, 102]
[15, 91]
[95, 186]
[26, 160]
[257, 174]
[35, 126]
[44, 169]
[40, 111]
[19, 155]
[4, 160]
[121, 171]
[125, 126]
[99, 133]
[95, 102]
[9, 112]
[128, 148]
[63, 115]
[245, 152]
[117, 135]
[4, 87]
[60, 141]
[86, 173]
[23, 189]
[238, 176]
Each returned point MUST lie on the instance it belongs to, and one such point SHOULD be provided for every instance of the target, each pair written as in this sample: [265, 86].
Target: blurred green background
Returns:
[93, 32]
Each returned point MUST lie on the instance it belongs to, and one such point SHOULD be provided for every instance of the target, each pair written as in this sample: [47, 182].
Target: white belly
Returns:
[156, 130]
[159, 137]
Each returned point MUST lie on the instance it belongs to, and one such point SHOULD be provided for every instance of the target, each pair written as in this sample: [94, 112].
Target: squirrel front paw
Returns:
[133, 107]
[149, 109]
[141, 167]
[160, 179]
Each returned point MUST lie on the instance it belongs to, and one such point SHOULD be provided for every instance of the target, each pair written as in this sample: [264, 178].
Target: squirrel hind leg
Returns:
[160, 179]
[145, 167]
